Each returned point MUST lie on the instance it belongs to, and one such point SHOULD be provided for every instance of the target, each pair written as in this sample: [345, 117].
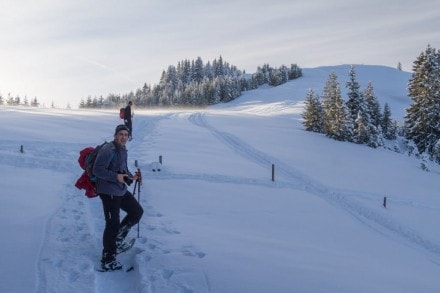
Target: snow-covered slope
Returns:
[214, 220]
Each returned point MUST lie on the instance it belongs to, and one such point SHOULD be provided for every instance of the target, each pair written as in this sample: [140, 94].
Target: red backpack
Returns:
[86, 160]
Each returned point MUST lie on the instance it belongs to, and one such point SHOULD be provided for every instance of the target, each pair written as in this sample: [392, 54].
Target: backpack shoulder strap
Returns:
[112, 156]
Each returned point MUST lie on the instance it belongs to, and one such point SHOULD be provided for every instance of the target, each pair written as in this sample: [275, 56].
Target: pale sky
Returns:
[63, 50]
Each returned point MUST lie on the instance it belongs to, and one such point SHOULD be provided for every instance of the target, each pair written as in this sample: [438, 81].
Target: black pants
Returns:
[112, 205]
[128, 123]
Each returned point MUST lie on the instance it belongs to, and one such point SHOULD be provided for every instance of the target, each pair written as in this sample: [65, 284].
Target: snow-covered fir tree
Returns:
[389, 126]
[373, 117]
[361, 132]
[422, 119]
[372, 105]
[355, 101]
[295, 72]
[35, 103]
[278, 76]
[198, 70]
[313, 113]
[436, 150]
[337, 122]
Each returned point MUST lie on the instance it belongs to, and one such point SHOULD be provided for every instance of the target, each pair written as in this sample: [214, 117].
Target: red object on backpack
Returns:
[84, 181]
[83, 155]
[122, 113]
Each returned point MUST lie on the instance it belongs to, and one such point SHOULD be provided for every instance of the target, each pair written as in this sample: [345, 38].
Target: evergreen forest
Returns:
[196, 84]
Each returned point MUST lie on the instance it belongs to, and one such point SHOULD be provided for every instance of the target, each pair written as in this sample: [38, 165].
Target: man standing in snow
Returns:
[113, 175]
[127, 119]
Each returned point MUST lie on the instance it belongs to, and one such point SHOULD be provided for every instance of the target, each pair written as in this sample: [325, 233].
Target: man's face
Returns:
[121, 137]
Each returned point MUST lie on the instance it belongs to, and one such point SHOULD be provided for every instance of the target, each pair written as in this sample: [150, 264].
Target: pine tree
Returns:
[277, 77]
[337, 123]
[422, 120]
[389, 128]
[355, 101]
[10, 100]
[218, 67]
[35, 102]
[295, 72]
[89, 102]
[362, 130]
[184, 72]
[198, 72]
[313, 113]
[372, 116]
[208, 71]
[436, 151]
[372, 105]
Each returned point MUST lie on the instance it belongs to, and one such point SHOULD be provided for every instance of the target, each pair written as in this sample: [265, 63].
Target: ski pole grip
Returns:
[138, 172]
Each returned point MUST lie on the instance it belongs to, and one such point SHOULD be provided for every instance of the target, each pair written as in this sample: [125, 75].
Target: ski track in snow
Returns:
[70, 253]
[339, 198]
[152, 269]
[66, 251]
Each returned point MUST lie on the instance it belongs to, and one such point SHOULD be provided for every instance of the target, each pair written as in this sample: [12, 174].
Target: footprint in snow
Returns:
[191, 251]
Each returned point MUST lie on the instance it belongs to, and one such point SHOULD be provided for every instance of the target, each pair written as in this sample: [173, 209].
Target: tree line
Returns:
[16, 101]
[359, 119]
[194, 83]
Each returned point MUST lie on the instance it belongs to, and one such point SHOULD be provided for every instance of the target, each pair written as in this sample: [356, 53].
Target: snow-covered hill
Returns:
[214, 220]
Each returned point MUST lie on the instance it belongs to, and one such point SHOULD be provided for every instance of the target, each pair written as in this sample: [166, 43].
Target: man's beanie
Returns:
[120, 127]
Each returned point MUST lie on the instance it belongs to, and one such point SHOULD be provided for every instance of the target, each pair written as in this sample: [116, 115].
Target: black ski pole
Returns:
[134, 189]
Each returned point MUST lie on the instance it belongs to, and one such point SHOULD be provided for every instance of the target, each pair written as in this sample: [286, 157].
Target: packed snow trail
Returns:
[342, 199]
